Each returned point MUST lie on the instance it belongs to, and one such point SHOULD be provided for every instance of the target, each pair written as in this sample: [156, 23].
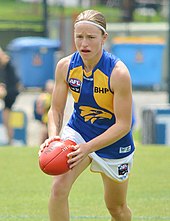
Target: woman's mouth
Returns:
[85, 50]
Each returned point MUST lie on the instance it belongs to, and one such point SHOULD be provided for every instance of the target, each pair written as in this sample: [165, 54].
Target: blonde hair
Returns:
[93, 16]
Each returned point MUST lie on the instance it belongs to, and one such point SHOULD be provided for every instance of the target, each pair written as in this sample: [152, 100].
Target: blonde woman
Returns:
[101, 120]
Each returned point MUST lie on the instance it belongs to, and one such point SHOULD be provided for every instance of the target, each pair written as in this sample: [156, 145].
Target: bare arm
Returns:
[59, 97]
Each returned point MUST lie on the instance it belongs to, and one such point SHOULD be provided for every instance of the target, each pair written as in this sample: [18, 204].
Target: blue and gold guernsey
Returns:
[93, 104]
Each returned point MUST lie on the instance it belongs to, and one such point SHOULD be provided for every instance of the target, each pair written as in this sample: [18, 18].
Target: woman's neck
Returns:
[89, 65]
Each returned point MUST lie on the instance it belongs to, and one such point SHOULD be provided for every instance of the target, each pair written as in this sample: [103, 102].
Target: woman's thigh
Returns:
[62, 183]
[114, 192]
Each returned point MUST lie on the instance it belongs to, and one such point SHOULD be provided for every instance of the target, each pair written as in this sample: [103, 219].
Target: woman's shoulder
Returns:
[120, 74]
[73, 59]
[63, 66]
[64, 62]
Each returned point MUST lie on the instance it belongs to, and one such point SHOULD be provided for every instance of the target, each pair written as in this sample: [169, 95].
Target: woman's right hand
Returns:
[47, 142]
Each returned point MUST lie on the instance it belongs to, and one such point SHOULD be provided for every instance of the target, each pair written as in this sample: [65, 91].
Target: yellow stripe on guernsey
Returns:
[103, 96]
[76, 73]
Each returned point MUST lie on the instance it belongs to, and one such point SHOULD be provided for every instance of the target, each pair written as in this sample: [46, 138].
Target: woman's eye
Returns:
[79, 36]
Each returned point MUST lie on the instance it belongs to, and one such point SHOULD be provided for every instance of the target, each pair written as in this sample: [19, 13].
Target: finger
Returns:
[56, 138]
[72, 154]
[42, 147]
[75, 147]
[47, 142]
[73, 159]
[72, 165]
[53, 138]
[40, 152]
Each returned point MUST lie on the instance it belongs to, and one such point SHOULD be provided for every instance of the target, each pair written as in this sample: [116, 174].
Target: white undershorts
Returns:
[117, 169]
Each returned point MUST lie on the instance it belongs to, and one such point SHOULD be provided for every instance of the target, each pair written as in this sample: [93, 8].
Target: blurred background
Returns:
[37, 33]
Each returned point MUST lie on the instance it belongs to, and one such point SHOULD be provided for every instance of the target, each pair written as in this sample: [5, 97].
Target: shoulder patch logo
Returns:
[75, 84]
[93, 114]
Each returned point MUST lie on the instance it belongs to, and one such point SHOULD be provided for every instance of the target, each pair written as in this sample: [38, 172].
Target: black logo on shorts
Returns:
[123, 169]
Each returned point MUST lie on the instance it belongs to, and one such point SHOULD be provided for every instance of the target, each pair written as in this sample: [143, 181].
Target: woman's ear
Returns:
[105, 36]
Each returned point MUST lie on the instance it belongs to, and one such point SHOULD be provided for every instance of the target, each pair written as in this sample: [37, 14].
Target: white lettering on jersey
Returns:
[125, 149]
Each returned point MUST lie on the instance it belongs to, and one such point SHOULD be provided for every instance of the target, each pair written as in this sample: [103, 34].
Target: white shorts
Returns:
[117, 169]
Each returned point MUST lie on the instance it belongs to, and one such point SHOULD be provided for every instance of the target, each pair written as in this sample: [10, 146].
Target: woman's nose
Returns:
[84, 42]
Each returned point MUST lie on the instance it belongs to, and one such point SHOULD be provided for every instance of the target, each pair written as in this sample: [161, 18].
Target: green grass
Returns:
[17, 10]
[24, 189]
[11, 11]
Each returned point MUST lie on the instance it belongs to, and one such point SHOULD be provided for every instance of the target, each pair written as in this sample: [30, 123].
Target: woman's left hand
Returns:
[76, 156]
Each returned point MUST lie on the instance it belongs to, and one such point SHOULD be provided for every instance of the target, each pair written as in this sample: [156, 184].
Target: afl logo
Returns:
[75, 84]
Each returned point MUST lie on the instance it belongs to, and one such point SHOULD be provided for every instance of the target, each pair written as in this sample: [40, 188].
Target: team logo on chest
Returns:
[93, 114]
[75, 84]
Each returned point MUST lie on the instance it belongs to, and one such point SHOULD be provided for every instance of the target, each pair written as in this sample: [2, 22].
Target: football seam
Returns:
[64, 149]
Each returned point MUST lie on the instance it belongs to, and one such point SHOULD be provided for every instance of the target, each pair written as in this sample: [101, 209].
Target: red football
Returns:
[53, 159]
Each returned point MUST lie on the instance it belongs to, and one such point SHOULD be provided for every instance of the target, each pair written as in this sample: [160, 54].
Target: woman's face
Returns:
[89, 41]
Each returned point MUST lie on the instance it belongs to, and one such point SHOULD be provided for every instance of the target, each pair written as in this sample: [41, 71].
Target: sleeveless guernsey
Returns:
[93, 104]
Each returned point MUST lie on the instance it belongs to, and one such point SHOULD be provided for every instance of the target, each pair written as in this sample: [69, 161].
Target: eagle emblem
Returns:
[93, 114]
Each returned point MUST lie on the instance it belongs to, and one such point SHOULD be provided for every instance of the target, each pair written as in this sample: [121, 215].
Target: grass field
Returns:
[18, 10]
[24, 189]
